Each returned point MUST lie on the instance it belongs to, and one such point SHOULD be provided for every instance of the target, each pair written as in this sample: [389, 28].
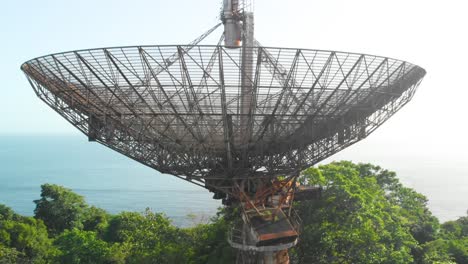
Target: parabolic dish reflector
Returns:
[198, 113]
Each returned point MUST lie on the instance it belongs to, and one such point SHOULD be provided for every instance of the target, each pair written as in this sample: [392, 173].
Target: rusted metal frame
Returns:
[172, 59]
[132, 71]
[111, 58]
[292, 85]
[35, 89]
[336, 147]
[293, 194]
[112, 92]
[190, 86]
[325, 84]
[403, 101]
[322, 92]
[300, 103]
[207, 72]
[278, 102]
[309, 69]
[281, 126]
[151, 92]
[246, 93]
[72, 118]
[60, 111]
[53, 101]
[224, 189]
[268, 94]
[81, 82]
[84, 74]
[399, 68]
[108, 73]
[114, 76]
[253, 107]
[174, 80]
[340, 65]
[278, 68]
[81, 70]
[330, 96]
[358, 62]
[183, 86]
[155, 77]
[317, 80]
[209, 66]
[382, 73]
[356, 76]
[146, 126]
[126, 153]
[135, 73]
[59, 71]
[44, 76]
[133, 88]
[270, 191]
[235, 63]
[105, 85]
[227, 133]
[177, 90]
[38, 75]
[272, 79]
[400, 97]
[243, 195]
[316, 150]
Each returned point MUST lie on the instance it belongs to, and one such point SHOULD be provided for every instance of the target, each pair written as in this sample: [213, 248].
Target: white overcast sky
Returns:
[429, 133]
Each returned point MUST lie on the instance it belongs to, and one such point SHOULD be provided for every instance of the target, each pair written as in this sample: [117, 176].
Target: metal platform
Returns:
[266, 236]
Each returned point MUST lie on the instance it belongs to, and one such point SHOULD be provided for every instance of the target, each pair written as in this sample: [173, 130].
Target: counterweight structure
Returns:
[231, 118]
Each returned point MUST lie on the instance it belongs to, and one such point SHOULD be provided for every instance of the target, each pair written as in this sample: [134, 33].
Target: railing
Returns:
[237, 237]
[296, 221]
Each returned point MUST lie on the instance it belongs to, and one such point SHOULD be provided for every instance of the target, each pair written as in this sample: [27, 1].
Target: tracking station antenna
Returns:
[238, 119]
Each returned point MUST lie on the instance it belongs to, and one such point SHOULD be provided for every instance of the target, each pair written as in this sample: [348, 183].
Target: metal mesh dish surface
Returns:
[201, 112]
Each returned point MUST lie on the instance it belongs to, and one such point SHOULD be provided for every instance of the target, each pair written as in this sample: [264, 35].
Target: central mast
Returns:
[260, 239]
[238, 19]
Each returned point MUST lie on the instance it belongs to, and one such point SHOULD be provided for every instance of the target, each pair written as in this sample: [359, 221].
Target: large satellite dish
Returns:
[230, 118]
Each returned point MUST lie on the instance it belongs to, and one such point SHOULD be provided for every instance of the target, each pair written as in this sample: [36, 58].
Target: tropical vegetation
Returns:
[365, 215]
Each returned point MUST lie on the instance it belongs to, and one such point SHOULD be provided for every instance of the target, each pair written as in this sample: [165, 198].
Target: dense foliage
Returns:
[365, 215]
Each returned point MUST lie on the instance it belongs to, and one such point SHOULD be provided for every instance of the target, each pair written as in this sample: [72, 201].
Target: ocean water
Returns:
[105, 178]
[116, 183]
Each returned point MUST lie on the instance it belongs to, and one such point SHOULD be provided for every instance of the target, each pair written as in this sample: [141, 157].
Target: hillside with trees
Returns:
[365, 215]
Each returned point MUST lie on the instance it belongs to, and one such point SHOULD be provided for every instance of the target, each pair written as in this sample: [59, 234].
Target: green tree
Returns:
[6, 213]
[457, 229]
[59, 208]
[353, 222]
[11, 256]
[411, 209]
[95, 219]
[435, 252]
[453, 241]
[411, 205]
[27, 236]
[84, 247]
[149, 238]
[210, 243]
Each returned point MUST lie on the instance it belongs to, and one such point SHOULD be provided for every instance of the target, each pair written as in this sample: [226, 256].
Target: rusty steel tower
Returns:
[236, 118]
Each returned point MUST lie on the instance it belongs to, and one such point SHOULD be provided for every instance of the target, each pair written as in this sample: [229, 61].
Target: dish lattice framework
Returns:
[203, 112]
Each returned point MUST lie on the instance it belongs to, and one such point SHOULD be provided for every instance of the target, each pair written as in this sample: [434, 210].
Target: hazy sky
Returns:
[429, 132]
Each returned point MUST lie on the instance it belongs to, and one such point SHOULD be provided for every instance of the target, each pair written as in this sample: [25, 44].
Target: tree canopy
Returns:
[60, 208]
[365, 215]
